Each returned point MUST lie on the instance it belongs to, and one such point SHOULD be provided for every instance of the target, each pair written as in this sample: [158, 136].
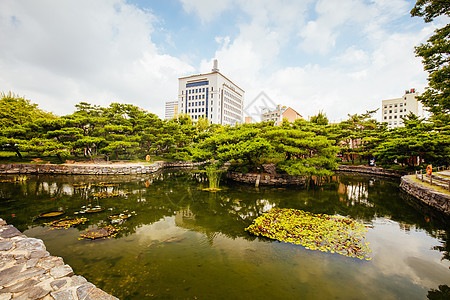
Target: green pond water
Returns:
[185, 243]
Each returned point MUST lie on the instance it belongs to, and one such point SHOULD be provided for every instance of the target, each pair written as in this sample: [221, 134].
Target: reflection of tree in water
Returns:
[442, 293]
[165, 194]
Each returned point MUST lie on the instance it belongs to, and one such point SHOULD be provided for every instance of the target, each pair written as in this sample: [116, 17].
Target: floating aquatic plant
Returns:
[335, 234]
[119, 218]
[66, 223]
[51, 214]
[99, 233]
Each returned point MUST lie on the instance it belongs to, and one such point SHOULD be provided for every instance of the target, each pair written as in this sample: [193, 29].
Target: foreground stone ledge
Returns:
[429, 196]
[27, 271]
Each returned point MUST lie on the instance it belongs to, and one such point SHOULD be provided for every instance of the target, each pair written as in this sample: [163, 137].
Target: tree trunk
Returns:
[17, 152]
[59, 157]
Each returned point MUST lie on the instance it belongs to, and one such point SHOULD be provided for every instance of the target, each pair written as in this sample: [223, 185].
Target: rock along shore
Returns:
[429, 196]
[28, 271]
[92, 169]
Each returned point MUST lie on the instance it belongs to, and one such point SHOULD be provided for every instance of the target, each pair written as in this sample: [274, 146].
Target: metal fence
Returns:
[435, 178]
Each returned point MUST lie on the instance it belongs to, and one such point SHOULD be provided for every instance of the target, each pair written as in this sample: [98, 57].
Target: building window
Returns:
[390, 111]
[390, 105]
[390, 117]
[385, 111]
[395, 105]
[395, 117]
[212, 96]
[395, 123]
[385, 106]
[390, 123]
[401, 116]
[395, 110]
[385, 117]
[203, 90]
[401, 104]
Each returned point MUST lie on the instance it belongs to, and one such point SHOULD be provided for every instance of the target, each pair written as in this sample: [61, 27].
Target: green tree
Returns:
[320, 119]
[435, 57]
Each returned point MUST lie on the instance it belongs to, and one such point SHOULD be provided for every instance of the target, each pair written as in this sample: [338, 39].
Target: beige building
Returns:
[392, 110]
[280, 113]
[171, 110]
[212, 96]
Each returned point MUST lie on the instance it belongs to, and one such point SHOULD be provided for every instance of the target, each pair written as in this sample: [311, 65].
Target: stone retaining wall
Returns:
[372, 170]
[429, 196]
[91, 169]
[27, 271]
[267, 179]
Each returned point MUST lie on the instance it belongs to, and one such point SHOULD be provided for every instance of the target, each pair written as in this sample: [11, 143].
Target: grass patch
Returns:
[429, 186]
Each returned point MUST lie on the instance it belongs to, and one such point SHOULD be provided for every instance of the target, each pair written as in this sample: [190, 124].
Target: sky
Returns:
[340, 57]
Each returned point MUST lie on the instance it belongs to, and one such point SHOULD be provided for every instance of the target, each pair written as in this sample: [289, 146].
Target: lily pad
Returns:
[99, 233]
[66, 223]
[326, 233]
[51, 214]
[118, 218]
[91, 210]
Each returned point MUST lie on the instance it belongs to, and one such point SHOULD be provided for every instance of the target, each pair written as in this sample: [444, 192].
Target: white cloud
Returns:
[98, 51]
[207, 10]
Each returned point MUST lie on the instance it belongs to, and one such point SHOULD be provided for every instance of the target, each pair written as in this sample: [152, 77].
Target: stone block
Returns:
[20, 286]
[61, 271]
[5, 296]
[50, 262]
[62, 295]
[78, 280]
[6, 245]
[58, 284]
[9, 231]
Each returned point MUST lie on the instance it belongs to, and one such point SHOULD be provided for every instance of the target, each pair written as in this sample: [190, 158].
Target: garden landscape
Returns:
[132, 206]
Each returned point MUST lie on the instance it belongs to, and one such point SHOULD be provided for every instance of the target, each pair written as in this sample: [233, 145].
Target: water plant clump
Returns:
[326, 233]
[66, 223]
[99, 233]
[213, 174]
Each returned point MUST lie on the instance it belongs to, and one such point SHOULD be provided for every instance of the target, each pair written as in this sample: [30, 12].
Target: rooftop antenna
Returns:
[215, 66]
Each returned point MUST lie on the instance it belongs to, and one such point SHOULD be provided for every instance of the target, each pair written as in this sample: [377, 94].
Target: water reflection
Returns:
[176, 221]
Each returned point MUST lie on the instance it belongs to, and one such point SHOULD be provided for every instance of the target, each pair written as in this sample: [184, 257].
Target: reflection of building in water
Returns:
[354, 194]
[185, 218]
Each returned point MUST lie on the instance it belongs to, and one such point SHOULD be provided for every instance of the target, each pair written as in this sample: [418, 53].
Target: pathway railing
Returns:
[435, 178]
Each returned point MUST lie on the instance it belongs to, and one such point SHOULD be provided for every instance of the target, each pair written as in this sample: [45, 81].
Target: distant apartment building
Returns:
[171, 110]
[280, 113]
[212, 96]
[392, 110]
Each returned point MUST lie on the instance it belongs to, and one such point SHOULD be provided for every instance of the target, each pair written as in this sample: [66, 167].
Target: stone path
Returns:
[28, 271]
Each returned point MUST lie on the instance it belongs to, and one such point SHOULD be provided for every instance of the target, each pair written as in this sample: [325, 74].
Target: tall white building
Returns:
[212, 96]
[392, 110]
[171, 110]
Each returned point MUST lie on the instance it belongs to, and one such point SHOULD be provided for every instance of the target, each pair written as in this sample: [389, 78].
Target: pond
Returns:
[185, 243]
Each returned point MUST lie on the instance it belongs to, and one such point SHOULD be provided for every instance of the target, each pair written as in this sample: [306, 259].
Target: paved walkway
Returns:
[27, 271]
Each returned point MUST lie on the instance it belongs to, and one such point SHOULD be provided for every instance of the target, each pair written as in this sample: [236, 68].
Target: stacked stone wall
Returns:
[28, 271]
[372, 170]
[428, 196]
[91, 169]
[267, 179]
